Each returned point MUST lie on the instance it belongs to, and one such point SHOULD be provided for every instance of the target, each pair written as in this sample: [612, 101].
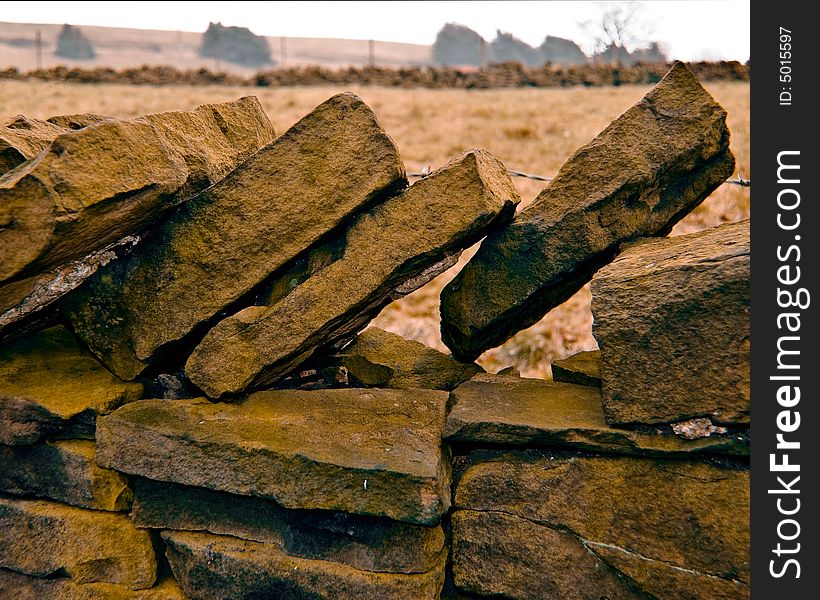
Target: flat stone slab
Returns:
[677, 529]
[637, 178]
[64, 471]
[388, 252]
[583, 368]
[212, 567]
[363, 542]
[672, 322]
[26, 587]
[510, 411]
[22, 138]
[44, 538]
[375, 452]
[379, 358]
[227, 241]
[49, 386]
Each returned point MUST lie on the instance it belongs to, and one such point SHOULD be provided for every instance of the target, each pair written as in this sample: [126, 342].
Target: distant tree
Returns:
[651, 54]
[457, 45]
[71, 43]
[560, 51]
[507, 48]
[237, 45]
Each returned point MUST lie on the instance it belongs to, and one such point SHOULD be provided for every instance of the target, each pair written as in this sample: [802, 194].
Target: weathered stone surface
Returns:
[76, 120]
[215, 567]
[42, 538]
[57, 208]
[640, 176]
[498, 410]
[22, 138]
[375, 452]
[26, 587]
[496, 553]
[63, 471]
[672, 322]
[228, 240]
[50, 386]
[363, 542]
[389, 251]
[382, 359]
[583, 368]
[688, 517]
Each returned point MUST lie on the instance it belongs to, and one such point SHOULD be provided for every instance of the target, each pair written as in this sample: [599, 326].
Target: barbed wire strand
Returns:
[739, 180]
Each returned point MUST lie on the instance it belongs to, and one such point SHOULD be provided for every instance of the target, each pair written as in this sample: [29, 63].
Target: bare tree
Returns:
[619, 25]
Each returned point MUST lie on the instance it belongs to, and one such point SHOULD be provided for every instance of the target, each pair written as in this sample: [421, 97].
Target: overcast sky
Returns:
[690, 30]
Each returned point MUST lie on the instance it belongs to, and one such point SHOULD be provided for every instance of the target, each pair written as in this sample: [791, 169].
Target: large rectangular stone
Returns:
[637, 178]
[45, 538]
[493, 410]
[210, 567]
[375, 452]
[672, 323]
[227, 241]
[49, 386]
[64, 471]
[663, 528]
[387, 252]
[363, 542]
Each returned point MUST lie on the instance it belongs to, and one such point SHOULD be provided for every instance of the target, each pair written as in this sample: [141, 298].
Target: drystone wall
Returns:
[192, 405]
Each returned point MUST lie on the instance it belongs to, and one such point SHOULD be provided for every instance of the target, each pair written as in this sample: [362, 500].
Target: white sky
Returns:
[690, 30]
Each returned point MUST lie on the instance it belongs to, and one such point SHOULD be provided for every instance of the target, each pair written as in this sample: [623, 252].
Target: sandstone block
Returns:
[26, 587]
[22, 138]
[672, 322]
[583, 368]
[637, 178]
[44, 538]
[230, 239]
[216, 567]
[49, 386]
[389, 251]
[375, 452]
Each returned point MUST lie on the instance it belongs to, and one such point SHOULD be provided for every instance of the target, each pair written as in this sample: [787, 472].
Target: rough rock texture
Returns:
[640, 176]
[215, 567]
[50, 386]
[672, 322]
[228, 240]
[389, 251]
[374, 452]
[25, 587]
[499, 410]
[77, 120]
[686, 522]
[57, 208]
[498, 553]
[43, 538]
[583, 368]
[367, 543]
[22, 138]
[382, 359]
[63, 471]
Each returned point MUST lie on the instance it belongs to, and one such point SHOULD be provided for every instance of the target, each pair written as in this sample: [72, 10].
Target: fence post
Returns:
[482, 53]
[38, 44]
[371, 53]
[283, 50]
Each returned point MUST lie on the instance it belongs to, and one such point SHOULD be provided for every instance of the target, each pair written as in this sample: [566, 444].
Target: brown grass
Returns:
[530, 130]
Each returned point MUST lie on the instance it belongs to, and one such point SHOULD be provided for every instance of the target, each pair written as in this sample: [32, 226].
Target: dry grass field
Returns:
[531, 130]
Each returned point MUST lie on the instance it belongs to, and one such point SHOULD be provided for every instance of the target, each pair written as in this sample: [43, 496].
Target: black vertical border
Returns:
[776, 128]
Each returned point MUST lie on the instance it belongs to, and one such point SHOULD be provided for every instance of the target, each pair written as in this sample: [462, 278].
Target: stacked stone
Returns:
[196, 412]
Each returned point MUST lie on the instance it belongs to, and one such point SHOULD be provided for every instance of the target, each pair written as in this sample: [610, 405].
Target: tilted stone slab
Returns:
[43, 538]
[689, 521]
[363, 542]
[672, 322]
[26, 587]
[583, 368]
[64, 471]
[216, 567]
[382, 359]
[637, 178]
[498, 410]
[225, 242]
[388, 252]
[49, 386]
[375, 452]
[22, 138]
[57, 207]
